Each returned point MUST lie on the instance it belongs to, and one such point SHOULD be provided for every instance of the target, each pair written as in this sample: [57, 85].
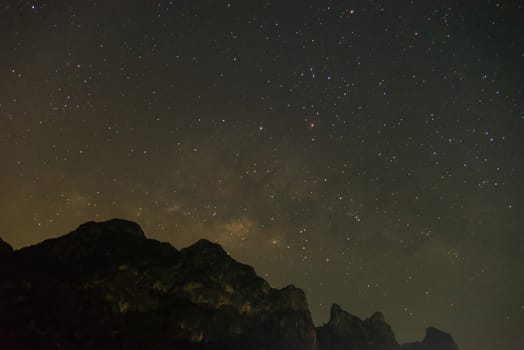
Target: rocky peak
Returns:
[434, 339]
[377, 317]
[381, 330]
[116, 240]
[294, 298]
[341, 321]
[205, 247]
[346, 331]
[336, 312]
[436, 336]
[208, 262]
[113, 226]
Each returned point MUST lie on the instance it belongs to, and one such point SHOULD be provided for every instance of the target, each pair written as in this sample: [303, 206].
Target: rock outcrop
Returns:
[106, 286]
[434, 340]
[347, 332]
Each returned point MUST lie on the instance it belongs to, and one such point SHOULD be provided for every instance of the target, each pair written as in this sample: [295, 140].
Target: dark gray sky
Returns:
[370, 152]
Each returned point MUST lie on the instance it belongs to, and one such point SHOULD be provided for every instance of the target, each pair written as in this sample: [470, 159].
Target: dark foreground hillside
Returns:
[106, 286]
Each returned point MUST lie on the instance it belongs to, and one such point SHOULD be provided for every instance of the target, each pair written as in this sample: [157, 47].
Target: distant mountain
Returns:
[345, 331]
[434, 340]
[106, 286]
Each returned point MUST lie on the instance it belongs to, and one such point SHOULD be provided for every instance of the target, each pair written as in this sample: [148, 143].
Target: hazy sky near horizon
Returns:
[369, 152]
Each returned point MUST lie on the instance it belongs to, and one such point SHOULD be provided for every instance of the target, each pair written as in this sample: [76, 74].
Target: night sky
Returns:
[370, 152]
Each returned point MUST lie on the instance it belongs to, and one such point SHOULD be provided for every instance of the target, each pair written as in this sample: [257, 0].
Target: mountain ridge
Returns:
[107, 285]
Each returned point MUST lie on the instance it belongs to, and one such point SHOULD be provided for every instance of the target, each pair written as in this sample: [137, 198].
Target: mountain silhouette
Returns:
[106, 286]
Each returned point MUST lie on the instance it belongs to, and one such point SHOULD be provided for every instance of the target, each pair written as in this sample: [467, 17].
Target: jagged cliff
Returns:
[106, 286]
[434, 340]
[347, 332]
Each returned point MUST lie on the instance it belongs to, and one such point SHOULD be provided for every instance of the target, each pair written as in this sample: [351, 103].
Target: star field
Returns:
[370, 152]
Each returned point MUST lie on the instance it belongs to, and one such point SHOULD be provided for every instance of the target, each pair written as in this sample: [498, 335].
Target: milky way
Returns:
[369, 152]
